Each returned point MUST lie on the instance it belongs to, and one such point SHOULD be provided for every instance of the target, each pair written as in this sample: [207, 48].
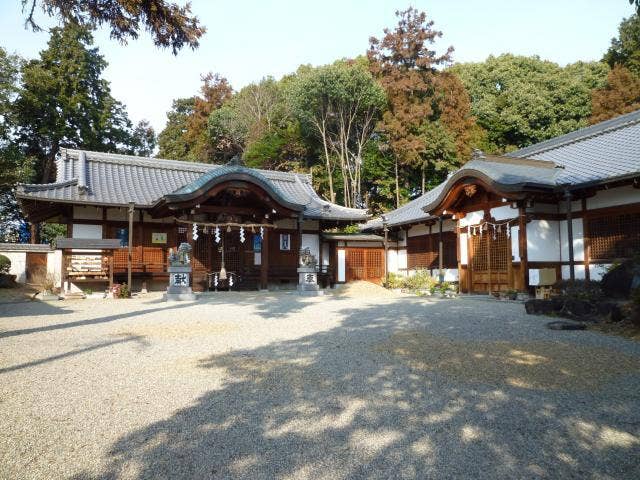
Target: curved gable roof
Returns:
[227, 173]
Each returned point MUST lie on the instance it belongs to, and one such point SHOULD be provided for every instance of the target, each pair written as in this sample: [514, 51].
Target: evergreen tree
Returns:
[65, 102]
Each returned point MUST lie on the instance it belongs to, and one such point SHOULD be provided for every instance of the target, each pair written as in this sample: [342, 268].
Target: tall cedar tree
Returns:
[170, 25]
[214, 92]
[620, 95]
[64, 102]
[407, 69]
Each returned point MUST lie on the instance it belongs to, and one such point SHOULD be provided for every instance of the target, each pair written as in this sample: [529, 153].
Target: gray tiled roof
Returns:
[25, 247]
[603, 152]
[113, 179]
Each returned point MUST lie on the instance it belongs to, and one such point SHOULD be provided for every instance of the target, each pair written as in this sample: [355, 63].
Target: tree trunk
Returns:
[397, 185]
[49, 163]
[423, 180]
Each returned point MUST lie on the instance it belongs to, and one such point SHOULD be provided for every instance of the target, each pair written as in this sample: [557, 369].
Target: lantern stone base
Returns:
[308, 282]
[179, 289]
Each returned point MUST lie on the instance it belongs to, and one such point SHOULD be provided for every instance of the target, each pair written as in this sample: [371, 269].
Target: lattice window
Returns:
[499, 251]
[616, 236]
[479, 245]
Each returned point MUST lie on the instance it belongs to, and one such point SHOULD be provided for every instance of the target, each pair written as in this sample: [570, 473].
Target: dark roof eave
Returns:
[531, 187]
[232, 176]
[26, 196]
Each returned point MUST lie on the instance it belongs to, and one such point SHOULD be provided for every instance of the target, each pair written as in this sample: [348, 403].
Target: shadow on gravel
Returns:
[332, 405]
[141, 340]
[81, 323]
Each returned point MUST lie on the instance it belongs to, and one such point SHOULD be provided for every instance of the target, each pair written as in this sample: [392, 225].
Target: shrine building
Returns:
[252, 222]
[565, 208]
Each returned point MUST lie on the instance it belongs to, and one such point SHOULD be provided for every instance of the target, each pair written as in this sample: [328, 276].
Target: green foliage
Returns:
[523, 100]
[625, 49]
[420, 280]
[64, 101]
[171, 140]
[281, 149]
[170, 25]
[338, 105]
[395, 281]
[49, 232]
[123, 291]
[143, 139]
[351, 229]
[5, 264]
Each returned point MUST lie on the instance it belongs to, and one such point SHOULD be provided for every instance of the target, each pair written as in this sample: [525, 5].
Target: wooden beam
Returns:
[264, 260]
[231, 209]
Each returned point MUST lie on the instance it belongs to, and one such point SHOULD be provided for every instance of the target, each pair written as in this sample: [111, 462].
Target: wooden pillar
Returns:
[264, 260]
[131, 210]
[572, 269]
[385, 228]
[522, 247]
[110, 253]
[586, 235]
[440, 252]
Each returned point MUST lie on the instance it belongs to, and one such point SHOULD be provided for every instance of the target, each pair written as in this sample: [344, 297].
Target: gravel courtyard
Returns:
[280, 386]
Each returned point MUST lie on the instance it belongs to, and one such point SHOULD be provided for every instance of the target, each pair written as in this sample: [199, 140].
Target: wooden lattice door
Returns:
[490, 261]
[364, 264]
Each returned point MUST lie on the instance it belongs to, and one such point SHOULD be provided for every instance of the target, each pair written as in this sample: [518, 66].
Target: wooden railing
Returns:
[143, 259]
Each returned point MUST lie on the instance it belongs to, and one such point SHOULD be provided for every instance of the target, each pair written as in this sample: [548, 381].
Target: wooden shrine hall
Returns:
[252, 222]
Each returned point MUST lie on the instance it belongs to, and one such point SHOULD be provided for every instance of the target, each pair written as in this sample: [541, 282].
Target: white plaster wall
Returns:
[402, 259]
[312, 242]
[543, 241]
[417, 230]
[18, 265]
[392, 261]
[341, 265]
[472, 218]
[504, 212]
[450, 274]
[54, 264]
[515, 243]
[87, 212]
[325, 254]
[402, 238]
[81, 230]
[449, 225]
[578, 240]
[614, 196]
[464, 257]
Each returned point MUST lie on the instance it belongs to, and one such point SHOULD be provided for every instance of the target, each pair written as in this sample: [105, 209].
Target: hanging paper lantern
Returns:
[195, 231]
[241, 234]
[217, 234]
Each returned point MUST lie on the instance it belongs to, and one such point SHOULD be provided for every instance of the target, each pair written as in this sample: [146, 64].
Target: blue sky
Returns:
[250, 39]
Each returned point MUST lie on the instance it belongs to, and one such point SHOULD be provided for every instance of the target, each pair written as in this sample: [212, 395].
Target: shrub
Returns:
[5, 264]
[580, 290]
[395, 281]
[123, 291]
[421, 280]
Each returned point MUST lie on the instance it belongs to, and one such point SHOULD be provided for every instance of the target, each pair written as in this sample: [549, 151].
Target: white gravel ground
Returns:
[282, 386]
